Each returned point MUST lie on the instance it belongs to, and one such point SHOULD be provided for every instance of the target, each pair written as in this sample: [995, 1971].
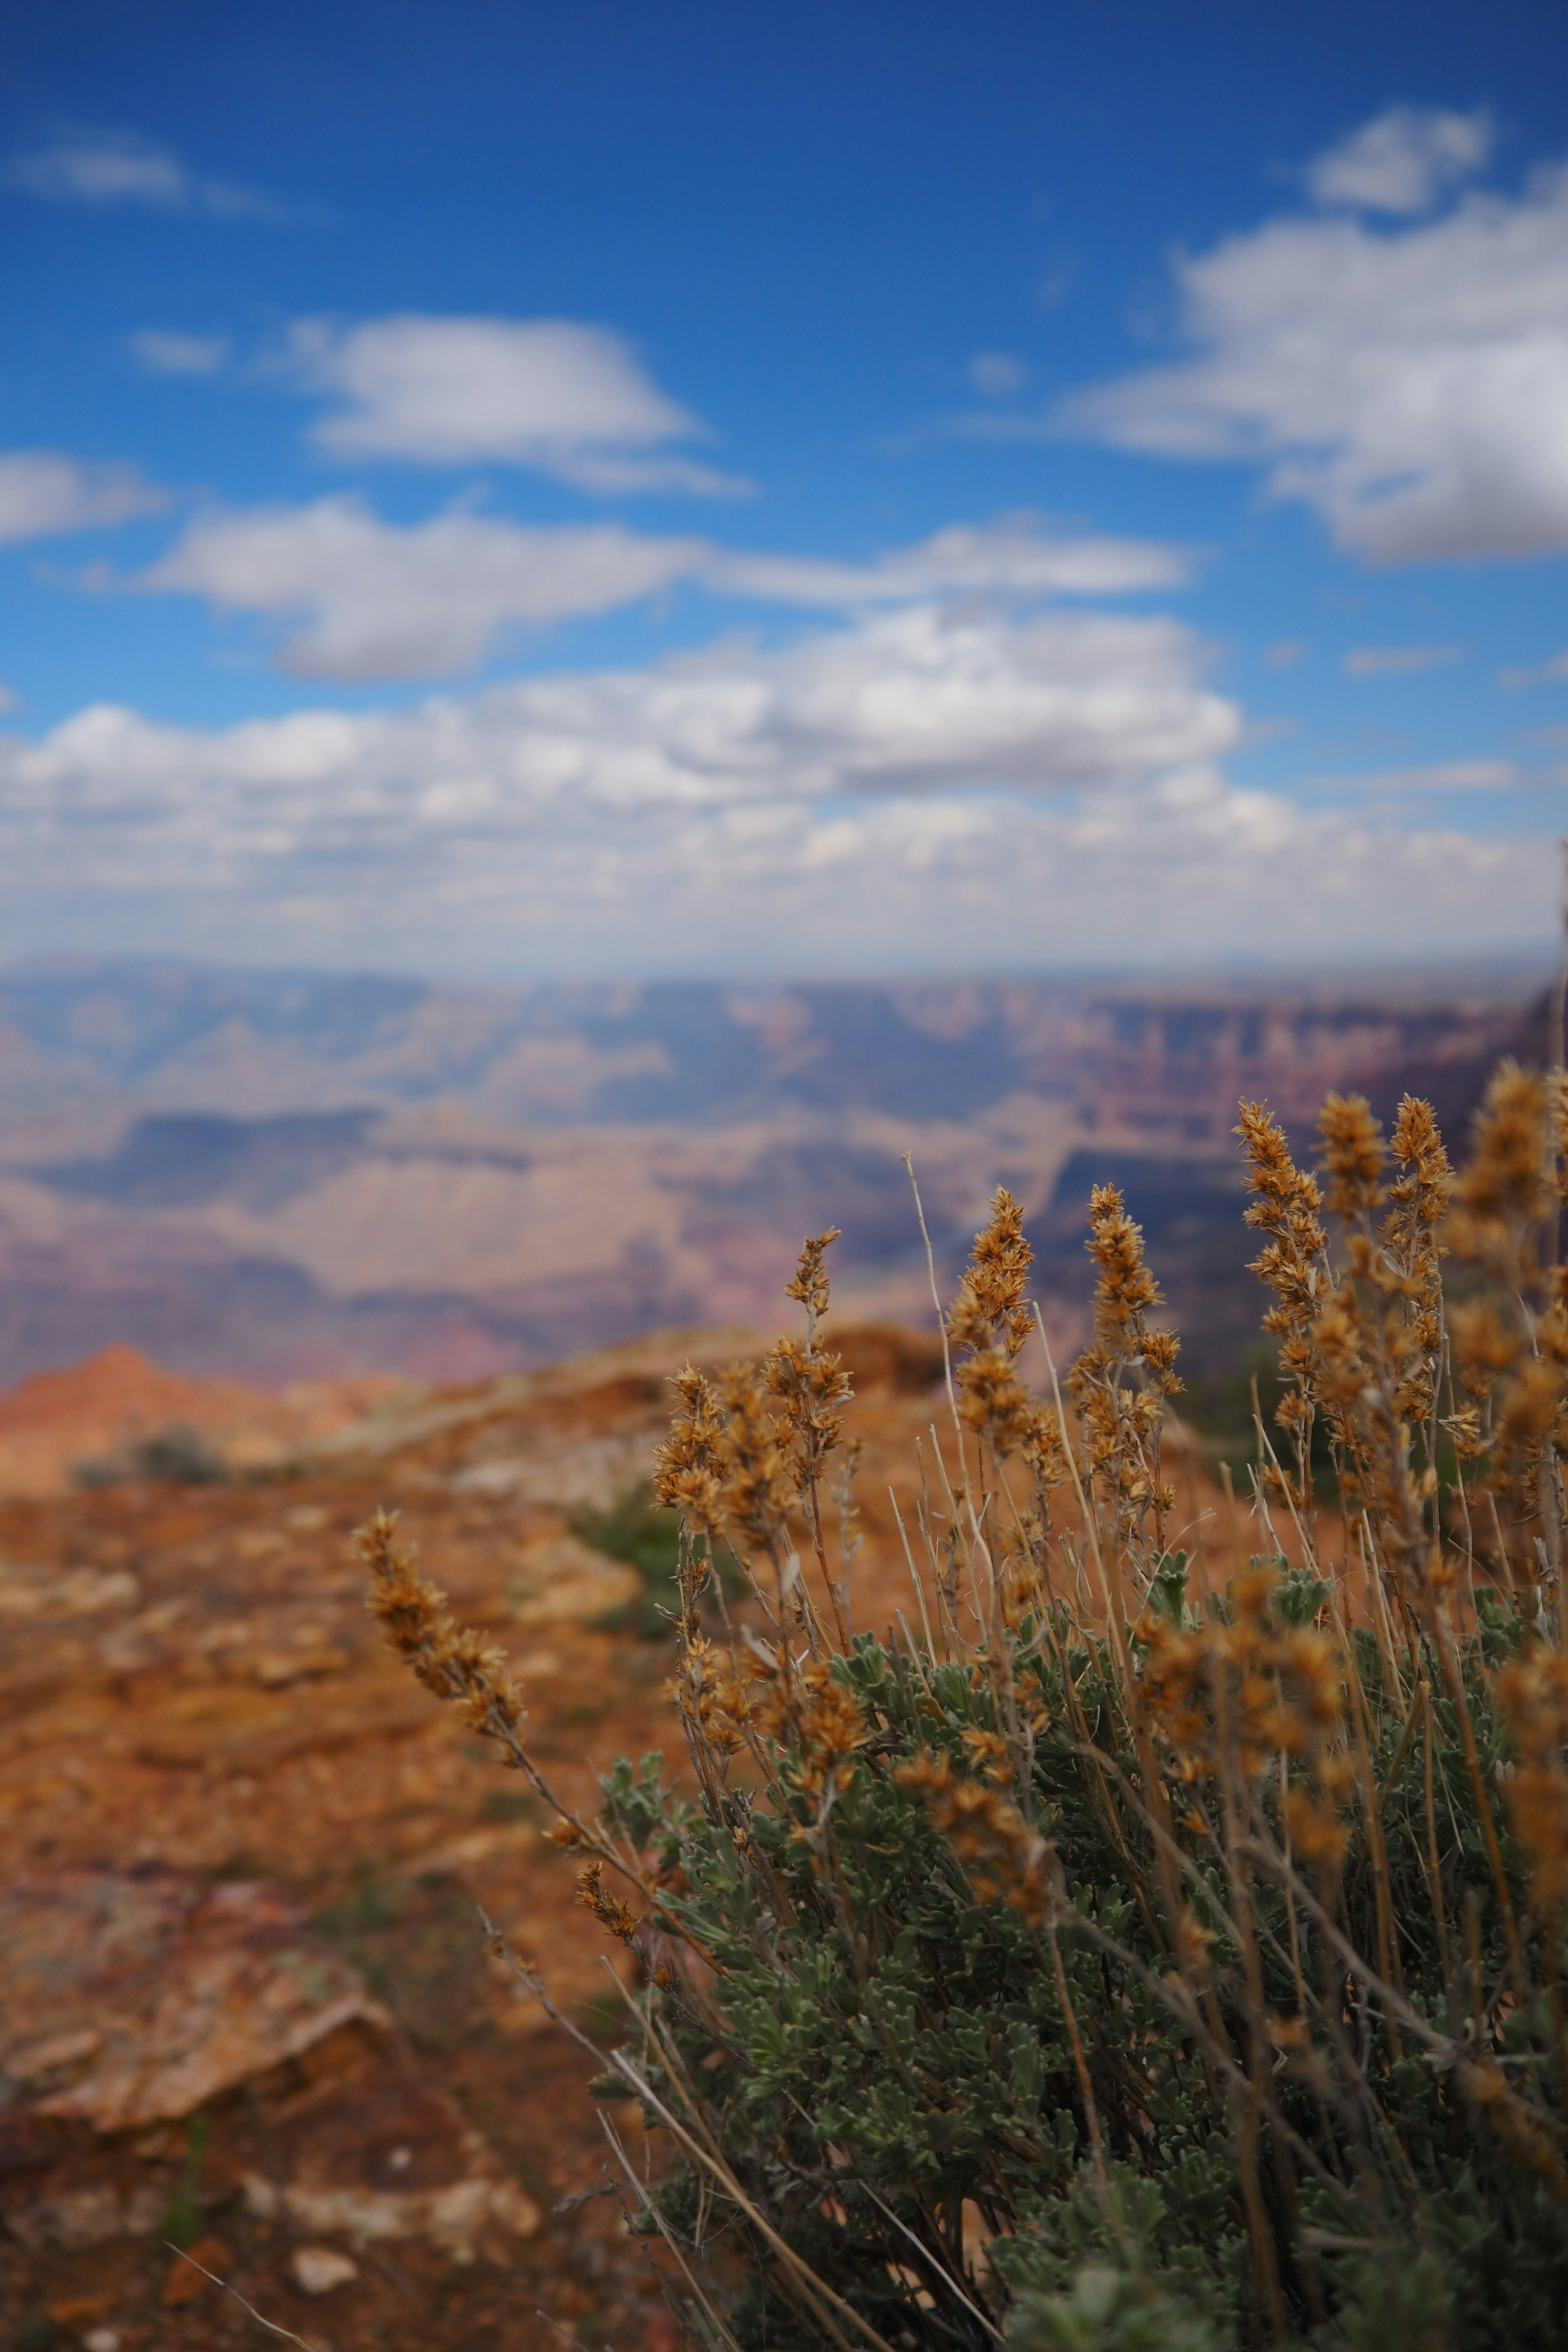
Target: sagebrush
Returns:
[1088, 1959]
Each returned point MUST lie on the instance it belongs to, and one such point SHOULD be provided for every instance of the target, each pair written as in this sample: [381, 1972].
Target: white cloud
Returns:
[1012, 557]
[1399, 661]
[998, 375]
[1446, 776]
[1410, 384]
[917, 704]
[380, 602]
[81, 166]
[170, 354]
[43, 492]
[920, 788]
[570, 400]
[1404, 161]
[1545, 673]
[1286, 653]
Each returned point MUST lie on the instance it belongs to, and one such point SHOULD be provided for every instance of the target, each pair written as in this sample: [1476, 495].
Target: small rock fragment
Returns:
[101, 2339]
[319, 2269]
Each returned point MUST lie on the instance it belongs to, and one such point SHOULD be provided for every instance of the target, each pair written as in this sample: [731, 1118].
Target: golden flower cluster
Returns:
[709, 1696]
[723, 1466]
[1352, 1156]
[1293, 1263]
[1123, 1377]
[746, 1448]
[1412, 1236]
[1004, 1859]
[453, 1661]
[809, 1714]
[609, 1910]
[1232, 1700]
[990, 1309]
[1510, 1347]
[810, 1385]
[1024, 1546]
[1511, 1184]
[809, 1281]
[987, 1326]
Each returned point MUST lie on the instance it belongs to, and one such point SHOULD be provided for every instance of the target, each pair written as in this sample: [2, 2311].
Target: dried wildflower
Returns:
[1123, 1377]
[757, 1487]
[1418, 1199]
[1021, 1570]
[1193, 1943]
[813, 1718]
[709, 1695]
[988, 1756]
[687, 1465]
[991, 1309]
[1512, 1346]
[451, 1660]
[809, 1282]
[1004, 1859]
[1510, 1184]
[987, 1326]
[1293, 1263]
[1285, 1206]
[1234, 1698]
[1319, 1833]
[1533, 1695]
[724, 1466]
[609, 1910]
[1352, 1156]
[811, 1386]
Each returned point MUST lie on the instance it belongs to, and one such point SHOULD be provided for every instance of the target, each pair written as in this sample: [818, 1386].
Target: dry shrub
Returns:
[1090, 1962]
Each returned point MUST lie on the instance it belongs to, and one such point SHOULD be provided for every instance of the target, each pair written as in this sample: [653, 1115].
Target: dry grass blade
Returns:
[249, 2310]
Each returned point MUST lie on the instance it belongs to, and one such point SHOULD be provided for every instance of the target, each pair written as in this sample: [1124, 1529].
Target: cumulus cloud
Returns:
[1404, 161]
[1014, 557]
[1399, 661]
[75, 166]
[916, 701]
[570, 400]
[921, 787]
[380, 602]
[1409, 382]
[164, 353]
[44, 493]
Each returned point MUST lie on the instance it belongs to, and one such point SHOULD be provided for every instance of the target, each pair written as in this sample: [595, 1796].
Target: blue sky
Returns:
[507, 490]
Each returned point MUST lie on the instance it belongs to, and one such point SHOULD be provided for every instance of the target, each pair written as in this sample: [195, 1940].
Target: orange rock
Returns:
[53, 1421]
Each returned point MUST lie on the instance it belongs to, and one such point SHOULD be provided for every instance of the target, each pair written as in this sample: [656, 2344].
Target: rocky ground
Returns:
[247, 2007]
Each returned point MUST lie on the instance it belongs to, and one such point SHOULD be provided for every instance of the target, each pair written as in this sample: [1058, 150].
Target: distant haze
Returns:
[273, 1175]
